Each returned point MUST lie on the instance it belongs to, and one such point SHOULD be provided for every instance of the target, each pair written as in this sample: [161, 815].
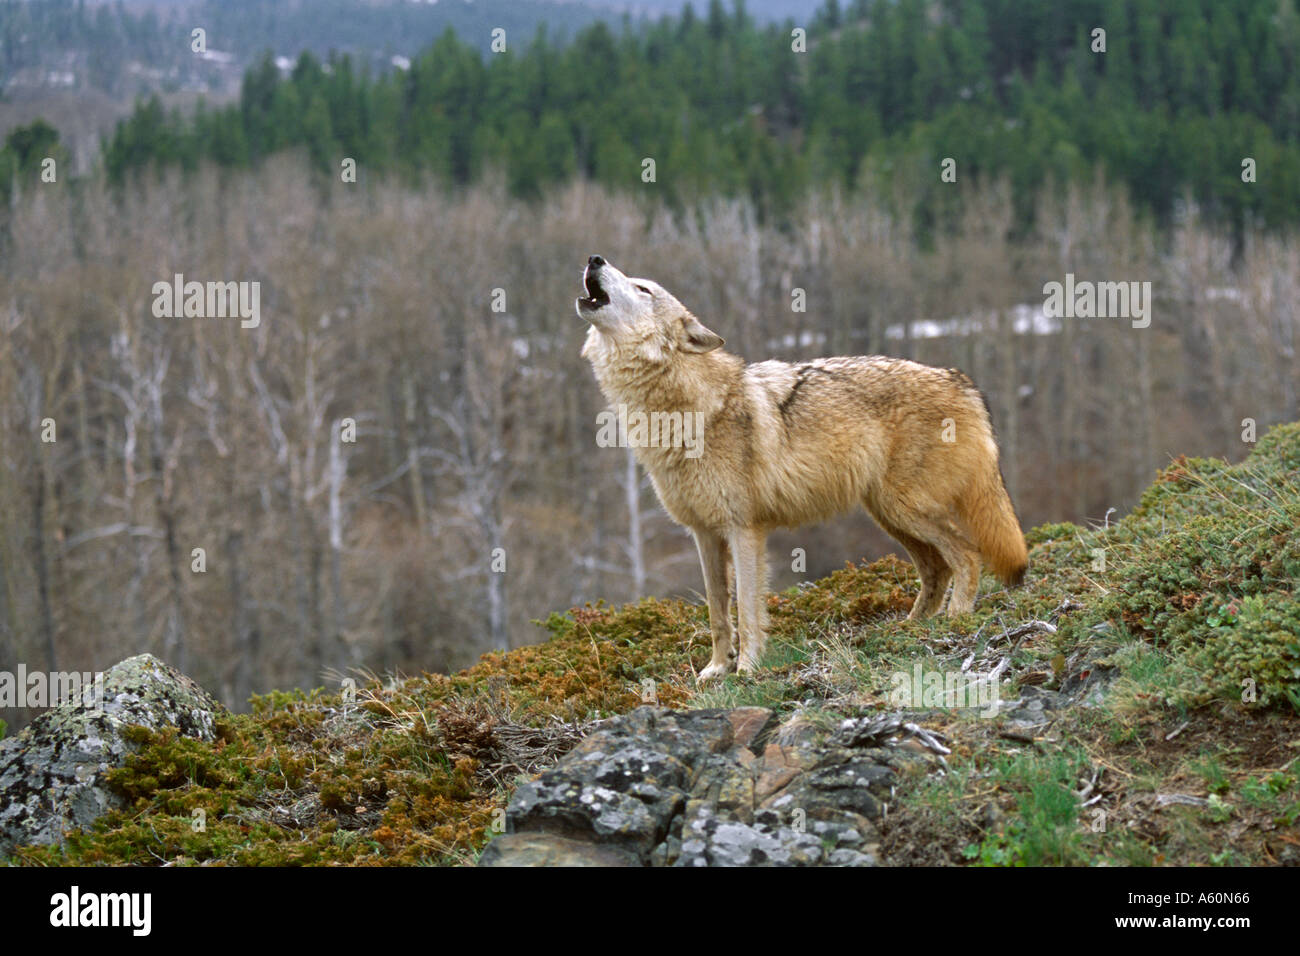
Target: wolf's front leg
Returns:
[749, 554]
[714, 559]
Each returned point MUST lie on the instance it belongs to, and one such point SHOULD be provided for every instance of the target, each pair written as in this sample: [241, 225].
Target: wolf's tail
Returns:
[991, 517]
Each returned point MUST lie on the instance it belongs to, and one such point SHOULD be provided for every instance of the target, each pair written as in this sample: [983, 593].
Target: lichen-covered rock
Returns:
[709, 788]
[712, 840]
[548, 849]
[51, 774]
[624, 783]
[1034, 708]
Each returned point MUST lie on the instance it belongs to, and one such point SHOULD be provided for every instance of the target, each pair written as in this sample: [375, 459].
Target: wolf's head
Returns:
[638, 314]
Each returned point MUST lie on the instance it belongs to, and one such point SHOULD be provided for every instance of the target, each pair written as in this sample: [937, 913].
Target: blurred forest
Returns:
[476, 429]
[431, 304]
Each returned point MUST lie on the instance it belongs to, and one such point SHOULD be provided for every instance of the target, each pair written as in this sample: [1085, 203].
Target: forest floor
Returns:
[1167, 647]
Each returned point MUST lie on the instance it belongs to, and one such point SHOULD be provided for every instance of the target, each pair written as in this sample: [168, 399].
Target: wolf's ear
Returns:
[697, 338]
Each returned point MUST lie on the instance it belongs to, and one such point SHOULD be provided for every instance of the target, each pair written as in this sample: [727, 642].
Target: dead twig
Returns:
[1021, 631]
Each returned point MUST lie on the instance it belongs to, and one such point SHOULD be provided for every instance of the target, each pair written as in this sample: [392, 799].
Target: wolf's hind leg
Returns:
[935, 575]
[715, 559]
[965, 586]
[962, 557]
[930, 565]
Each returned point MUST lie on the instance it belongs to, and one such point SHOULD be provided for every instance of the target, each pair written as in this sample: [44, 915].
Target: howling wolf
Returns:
[784, 445]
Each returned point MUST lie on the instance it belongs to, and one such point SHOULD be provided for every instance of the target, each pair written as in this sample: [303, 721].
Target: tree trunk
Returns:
[43, 572]
[248, 636]
[338, 468]
[635, 524]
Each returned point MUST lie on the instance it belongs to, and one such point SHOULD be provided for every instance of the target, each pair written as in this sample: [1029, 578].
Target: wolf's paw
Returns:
[716, 671]
[747, 669]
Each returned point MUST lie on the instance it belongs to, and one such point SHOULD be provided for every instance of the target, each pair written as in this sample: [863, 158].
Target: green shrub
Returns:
[1259, 641]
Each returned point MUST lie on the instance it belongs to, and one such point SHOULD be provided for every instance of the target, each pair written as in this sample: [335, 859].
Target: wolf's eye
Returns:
[641, 288]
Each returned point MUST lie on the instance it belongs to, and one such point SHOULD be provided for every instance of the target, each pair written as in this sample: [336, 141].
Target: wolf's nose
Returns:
[595, 262]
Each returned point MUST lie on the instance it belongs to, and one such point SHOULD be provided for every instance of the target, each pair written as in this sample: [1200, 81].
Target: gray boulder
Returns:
[51, 774]
[709, 788]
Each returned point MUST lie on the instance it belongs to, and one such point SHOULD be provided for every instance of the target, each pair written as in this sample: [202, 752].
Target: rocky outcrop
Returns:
[713, 788]
[654, 787]
[51, 774]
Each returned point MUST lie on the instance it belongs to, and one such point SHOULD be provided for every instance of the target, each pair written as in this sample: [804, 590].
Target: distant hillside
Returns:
[798, 10]
[125, 51]
[374, 32]
[1204, 103]
[82, 66]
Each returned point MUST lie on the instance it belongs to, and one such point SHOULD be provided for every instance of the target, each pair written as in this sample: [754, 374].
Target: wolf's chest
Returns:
[693, 491]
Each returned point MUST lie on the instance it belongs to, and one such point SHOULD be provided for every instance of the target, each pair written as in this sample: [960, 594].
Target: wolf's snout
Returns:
[596, 296]
[594, 289]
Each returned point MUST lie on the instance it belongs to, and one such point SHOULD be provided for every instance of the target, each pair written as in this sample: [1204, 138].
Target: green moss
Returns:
[1255, 643]
[854, 594]
[1279, 448]
[1044, 533]
[1208, 541]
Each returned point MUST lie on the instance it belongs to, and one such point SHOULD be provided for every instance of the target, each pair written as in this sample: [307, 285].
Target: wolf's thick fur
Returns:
[788, 444]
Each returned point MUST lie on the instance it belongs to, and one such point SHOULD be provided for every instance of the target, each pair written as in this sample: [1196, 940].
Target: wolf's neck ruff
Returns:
[647, 377]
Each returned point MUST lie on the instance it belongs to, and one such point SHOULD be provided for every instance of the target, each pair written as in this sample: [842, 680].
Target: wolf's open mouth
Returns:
[596, 295]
